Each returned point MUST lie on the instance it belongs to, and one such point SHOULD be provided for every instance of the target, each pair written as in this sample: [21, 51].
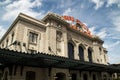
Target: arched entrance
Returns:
[70, 50]
[30, 75]
[94, 77]
[105, 77]
[90, 55]
[74, 76]
[85, 77]
[81, 53]
[60, 76]
[6, 75]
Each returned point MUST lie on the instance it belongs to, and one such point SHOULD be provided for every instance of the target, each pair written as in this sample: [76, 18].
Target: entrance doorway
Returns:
[105, 77]
[60, 76]
[30, 75]
[94, 77]
[85, 77]
[74, 76]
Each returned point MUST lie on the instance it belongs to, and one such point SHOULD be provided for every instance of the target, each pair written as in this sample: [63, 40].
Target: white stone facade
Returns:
[52, 35]
[50, 38]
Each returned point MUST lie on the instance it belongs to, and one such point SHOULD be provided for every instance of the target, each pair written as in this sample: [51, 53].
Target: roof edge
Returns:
[56, 16]
[19, 17]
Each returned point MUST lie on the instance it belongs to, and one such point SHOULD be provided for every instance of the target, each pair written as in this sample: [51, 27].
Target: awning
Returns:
[43, 60]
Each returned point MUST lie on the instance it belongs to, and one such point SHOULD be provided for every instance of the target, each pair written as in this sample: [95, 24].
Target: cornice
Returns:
[56, 17]
[26, 18]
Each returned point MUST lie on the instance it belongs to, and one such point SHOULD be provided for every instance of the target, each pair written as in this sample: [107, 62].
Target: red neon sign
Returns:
[84, 27]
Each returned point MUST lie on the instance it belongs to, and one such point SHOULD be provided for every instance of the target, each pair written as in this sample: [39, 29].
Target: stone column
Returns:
[86, 55]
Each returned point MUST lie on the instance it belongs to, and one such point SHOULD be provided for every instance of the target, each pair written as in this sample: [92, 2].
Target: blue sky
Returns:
[101, 16]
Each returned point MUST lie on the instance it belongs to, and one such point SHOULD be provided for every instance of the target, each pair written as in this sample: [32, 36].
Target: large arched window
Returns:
[89, 55]
[70, 50]
[81, 53]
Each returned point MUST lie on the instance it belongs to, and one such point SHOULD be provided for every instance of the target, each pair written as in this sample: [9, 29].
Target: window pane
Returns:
[33, 37]
[70, 50]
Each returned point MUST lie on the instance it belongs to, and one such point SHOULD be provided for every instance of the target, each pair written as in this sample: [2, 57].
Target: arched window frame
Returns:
[90, 54]
[71, 42]
[81, 55]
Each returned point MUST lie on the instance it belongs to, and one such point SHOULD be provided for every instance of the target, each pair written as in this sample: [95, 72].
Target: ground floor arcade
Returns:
[33, 73]
[40, 66]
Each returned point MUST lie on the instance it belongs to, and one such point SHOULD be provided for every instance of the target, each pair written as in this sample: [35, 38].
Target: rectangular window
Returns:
[33, 37]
